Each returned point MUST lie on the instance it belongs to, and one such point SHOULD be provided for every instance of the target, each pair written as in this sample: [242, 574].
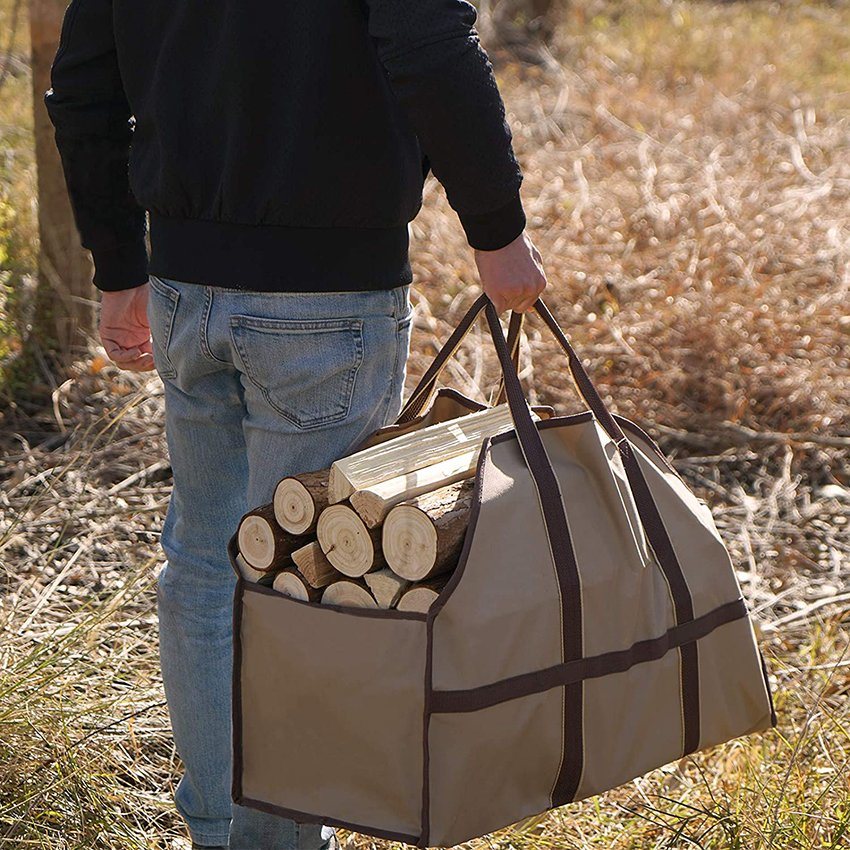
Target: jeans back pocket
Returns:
[305, 369]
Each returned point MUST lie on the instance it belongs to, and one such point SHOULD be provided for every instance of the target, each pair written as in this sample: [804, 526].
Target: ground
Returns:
[687, 181]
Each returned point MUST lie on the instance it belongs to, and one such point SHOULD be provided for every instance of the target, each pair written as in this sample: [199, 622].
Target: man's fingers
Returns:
[140, 364]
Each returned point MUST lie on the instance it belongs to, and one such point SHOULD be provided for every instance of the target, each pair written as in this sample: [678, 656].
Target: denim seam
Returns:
[355, 326]
[173, 296]
[204, 332]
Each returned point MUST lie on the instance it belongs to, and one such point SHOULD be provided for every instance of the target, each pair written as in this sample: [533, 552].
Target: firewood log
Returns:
[386, 587]
[349, 594]
[312, 563]
[262, 542]
[246, 570]
[292, 583]
[423, 537]
[351, 547]
[299, 499]
[374, 503]
[415, 450]
[422, 596]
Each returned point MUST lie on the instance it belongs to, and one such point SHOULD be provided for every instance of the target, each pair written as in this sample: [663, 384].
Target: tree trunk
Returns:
[64, 313]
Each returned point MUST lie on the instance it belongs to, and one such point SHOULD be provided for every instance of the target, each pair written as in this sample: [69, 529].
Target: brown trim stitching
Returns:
[307, 817]
[236, 683]
[374, 613]
[604, 664]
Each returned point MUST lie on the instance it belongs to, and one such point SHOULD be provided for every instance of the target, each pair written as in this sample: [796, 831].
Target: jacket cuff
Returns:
[493, 230]
[124, 267]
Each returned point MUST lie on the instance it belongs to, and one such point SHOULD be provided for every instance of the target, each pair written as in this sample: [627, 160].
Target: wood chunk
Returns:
[246, 570]
[423, 537]
[374, 503]
[415, 450]
[422, 596]
[299, 499]
[386, 587]
[262, 542]
[292, 583]
[347, 543]
[349, 594]
[312, 563]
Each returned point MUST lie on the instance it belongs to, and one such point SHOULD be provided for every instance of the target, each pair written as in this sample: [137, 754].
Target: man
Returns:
[280, 151]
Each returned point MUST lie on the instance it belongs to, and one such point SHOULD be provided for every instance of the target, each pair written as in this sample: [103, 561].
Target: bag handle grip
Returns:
[425, 389]
[546, 482]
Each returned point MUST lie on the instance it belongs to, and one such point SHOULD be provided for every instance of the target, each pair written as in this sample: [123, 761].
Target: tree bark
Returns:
[65, 297]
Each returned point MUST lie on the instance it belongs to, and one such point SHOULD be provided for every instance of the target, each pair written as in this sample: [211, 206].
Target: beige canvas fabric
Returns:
[593, 630]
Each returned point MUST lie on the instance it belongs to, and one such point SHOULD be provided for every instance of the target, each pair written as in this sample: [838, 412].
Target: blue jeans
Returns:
[257, 386]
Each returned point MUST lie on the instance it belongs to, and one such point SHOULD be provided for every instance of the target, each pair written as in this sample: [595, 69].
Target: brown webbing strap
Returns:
[424, 391]
[654, 527]
[563, 557]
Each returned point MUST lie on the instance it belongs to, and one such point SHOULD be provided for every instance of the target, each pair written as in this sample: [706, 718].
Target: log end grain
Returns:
[348, 594]
[257, 541]
[290, 583]
[418, 599]
[346, 541]
[409, 542]
[294, 508]
[246, 570]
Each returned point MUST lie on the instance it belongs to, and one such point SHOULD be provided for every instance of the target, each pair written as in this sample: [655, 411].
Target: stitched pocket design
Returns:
[305, 369]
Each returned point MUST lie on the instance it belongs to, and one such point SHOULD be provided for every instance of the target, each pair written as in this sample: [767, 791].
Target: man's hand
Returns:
[512, 277]
[124, 329]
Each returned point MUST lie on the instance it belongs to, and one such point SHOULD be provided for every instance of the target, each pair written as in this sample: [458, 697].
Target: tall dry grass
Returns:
[687, 179]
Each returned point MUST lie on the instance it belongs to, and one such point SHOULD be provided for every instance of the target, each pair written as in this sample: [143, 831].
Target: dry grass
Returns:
[687, 178]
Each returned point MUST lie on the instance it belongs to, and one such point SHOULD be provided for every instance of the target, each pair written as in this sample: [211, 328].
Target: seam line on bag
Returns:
[592, 667]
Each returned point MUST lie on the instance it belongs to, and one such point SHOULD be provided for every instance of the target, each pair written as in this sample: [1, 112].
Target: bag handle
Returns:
[546, 483]
[424, 390]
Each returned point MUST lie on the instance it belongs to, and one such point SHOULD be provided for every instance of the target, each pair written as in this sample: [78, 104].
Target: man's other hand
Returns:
[124, 329]
[513, 276]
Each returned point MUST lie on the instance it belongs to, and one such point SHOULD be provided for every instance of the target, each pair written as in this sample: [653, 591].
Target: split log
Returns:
[348, 594]
[415, 450]
[292, 583]
[347, 543]
[299, 499]
[262, 542]
[312, 563]
[374, 503]
[422, 596]
[246, 570]
[386, 587]
[423, 537]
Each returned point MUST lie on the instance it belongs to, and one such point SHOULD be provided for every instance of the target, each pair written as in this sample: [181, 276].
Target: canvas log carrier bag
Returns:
[593, 630]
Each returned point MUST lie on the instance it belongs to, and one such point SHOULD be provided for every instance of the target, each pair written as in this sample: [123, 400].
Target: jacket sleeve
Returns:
[442, 77]
[91, 115]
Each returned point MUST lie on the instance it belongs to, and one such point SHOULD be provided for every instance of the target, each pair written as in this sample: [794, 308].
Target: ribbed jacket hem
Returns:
[275, 258]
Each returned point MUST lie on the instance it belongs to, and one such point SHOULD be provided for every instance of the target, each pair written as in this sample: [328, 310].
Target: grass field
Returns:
[688, 184]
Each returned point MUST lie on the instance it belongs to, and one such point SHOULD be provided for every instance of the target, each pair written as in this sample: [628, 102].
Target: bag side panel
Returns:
[633, 723]
[501, 614]
[734, 696]
[332, 708]
[704, 559]
[493, 767]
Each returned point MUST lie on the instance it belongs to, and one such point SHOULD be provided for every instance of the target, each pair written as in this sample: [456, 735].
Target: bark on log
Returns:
[348, 593]
[386, 587]
[262, 542]
[292, 583]
[299, 499]
[415, 450]
[312, 563]
[422, 596]
[374, 503]
[423, 537]
[348, 544]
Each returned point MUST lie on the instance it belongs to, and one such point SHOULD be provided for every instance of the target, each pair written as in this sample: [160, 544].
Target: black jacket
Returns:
[278, 146]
